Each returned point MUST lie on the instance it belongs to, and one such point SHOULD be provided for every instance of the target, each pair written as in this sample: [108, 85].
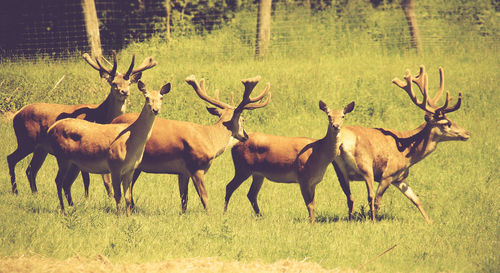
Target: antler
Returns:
[428, 105]
[97, 65]
[421, 81]
[202, 93]
[256, 102]
[146, 64]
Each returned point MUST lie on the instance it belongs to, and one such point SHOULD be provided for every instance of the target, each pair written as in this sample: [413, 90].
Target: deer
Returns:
[104, 148]
[32, 121]
[189, 149]
[283, 159]
[385, 155]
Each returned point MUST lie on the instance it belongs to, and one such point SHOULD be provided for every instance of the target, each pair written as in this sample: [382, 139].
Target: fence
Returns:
[56, 28]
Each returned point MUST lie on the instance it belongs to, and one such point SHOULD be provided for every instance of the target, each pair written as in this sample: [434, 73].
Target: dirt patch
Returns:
[103, 264]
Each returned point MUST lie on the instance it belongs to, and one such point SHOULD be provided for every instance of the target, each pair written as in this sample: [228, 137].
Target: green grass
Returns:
[458, 183]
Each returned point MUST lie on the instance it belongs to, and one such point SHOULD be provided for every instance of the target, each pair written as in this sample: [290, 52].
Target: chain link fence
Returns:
[56, 28]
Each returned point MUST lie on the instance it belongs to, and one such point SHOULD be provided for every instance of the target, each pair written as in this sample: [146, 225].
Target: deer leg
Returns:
[308, 192]
[183, 181]
[137, 172]
[238, 179]
[199, 185]
[384, 184]
[406, 190]
[36, 162]
[61, 172]
[254, 191]
[69, 177]
[368, 177]
[86, 183]
[12, 160]
[117, 192]
[107, 184]
[346, 188]
[127, 191]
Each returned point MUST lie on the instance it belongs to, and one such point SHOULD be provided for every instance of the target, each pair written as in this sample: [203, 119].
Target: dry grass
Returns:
[103, 264]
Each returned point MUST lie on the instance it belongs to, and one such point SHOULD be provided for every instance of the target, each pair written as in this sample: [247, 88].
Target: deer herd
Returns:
[102, 139]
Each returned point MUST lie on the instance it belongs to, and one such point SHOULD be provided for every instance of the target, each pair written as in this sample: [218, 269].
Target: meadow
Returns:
[458, 183]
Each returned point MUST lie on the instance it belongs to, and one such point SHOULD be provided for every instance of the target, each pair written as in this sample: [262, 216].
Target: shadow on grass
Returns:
[358, 216]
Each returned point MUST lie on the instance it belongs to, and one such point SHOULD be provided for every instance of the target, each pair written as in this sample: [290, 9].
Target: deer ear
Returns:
[323, 106]
[214, 111]
[165, 89]
[349, 108]
[135, 77]
[141, 86]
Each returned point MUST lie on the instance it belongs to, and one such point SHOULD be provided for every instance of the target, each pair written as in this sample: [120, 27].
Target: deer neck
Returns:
[330, 142]
[141, 128]
[111, 108]
[220, 138]
[417, 144]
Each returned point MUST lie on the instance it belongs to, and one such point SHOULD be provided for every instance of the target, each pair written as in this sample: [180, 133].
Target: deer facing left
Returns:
[32, 121]
[103, 148]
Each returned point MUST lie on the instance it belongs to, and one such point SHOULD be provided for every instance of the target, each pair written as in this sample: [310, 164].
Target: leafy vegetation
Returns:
[335, 62]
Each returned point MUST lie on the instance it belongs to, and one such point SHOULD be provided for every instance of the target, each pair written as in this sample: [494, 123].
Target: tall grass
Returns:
[458, 183]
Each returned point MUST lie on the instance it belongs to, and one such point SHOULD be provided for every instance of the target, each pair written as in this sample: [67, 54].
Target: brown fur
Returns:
[103, 148]
[286, 160]
[188, 149]
[385, 155]
[32, 121]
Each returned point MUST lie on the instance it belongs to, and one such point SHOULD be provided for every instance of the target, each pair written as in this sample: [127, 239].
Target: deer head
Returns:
[120, 83]
[443, 129]
[153, 98]
[336, 117]
[230, 115]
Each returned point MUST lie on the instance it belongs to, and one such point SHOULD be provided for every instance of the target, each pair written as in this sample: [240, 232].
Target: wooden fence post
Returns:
[263, 28]
[92, 27]
[168, 11]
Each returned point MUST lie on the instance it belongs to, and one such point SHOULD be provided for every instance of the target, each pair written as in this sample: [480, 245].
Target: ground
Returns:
[103, 264]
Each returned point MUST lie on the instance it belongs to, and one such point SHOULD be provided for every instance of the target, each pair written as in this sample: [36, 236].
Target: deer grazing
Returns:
[386, 155]
[287, 160]
[32, 121]
[188, 149]
[104, 148]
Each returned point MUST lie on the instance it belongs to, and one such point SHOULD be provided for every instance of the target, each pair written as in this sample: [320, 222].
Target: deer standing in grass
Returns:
[104, 148]
[189, 149]
[287, 160]
[386, 155]
[32, 121]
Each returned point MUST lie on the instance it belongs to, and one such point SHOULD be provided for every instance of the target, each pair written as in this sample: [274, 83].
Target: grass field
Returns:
[458, 183]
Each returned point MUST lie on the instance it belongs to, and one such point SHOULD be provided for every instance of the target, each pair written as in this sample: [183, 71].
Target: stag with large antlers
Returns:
[287, 160]
[386, 155]
[188, 149]
[32, 121]
[103, 148]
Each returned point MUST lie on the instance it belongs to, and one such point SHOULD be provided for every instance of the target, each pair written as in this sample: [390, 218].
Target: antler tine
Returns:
[130, 68]
[255, 102]
[261, 103]
[421, 80]
[115, 64]
[454, 107]
[89, 60]
[249, 86]
[407, 86]
[434, 100]
[146, 64]
[201, 91]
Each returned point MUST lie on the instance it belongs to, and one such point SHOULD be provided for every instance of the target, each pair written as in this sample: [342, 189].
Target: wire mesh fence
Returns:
[56, 28]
